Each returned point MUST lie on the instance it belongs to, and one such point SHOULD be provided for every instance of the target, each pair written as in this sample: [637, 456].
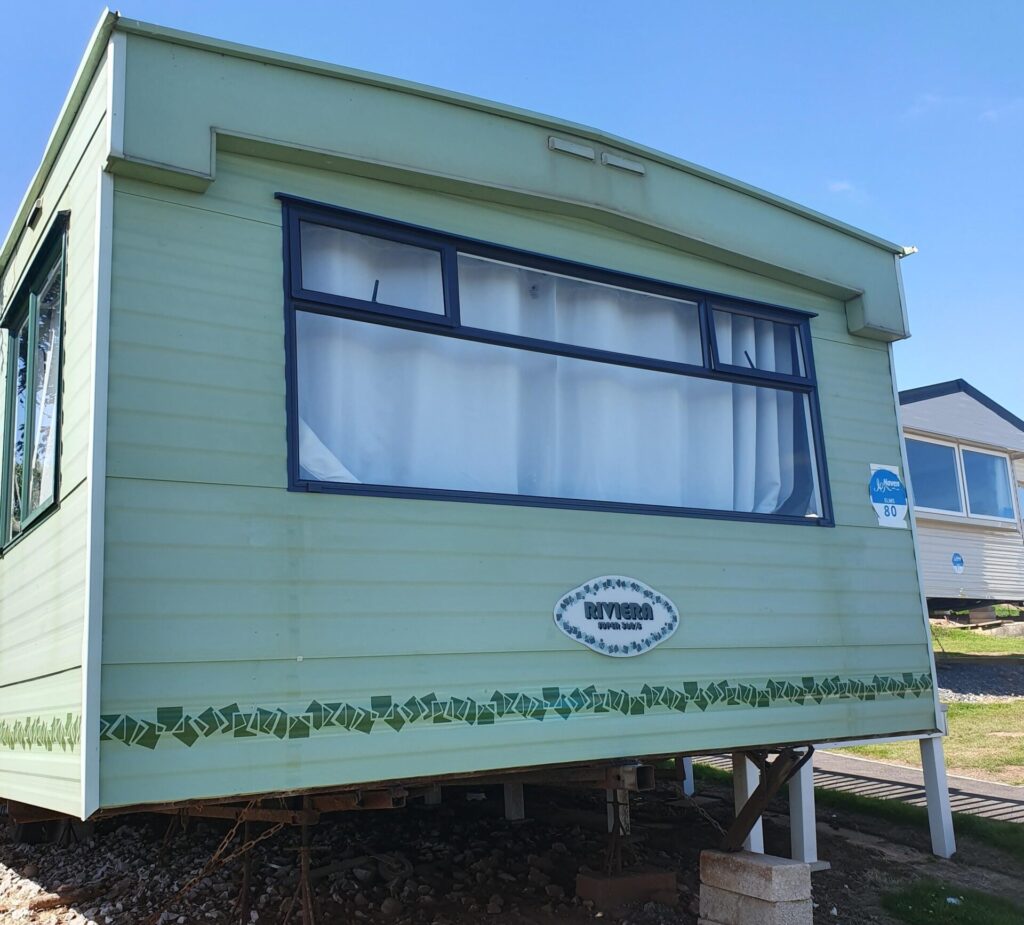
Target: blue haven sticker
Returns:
[888, 496]
[958, 563]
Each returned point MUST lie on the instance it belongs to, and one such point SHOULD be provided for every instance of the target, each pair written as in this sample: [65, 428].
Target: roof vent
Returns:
[35, 213]
[623, 163]
[571, 147]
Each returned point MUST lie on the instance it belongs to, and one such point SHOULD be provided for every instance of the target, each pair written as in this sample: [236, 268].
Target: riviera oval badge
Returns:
[616, 615]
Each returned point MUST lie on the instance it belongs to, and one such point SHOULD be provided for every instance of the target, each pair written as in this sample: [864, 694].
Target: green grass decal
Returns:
[550, 703]
[48, 733]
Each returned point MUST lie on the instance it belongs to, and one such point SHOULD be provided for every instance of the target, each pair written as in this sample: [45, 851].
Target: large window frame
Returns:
[296, 210]
[23, 312]
[965, 512]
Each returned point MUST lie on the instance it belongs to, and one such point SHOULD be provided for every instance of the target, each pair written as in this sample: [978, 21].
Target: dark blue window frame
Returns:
[296, 210]
[21, 310]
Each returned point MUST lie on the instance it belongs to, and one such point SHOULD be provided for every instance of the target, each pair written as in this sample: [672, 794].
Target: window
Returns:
[934, 476]
[32, 400]
[953, 479]
[988, 484]
[425, 365]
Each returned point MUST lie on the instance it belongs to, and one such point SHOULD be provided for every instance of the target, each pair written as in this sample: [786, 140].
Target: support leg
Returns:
[803, 833]
[515, 806]
[745, 777]
[684, 768]
[433, 796]
[618, 810]
[940, 816]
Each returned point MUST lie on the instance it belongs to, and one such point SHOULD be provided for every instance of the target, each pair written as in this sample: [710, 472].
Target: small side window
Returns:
[933, 476]
[371, 272]
[32, 397]
[750, 342]
[988, 485]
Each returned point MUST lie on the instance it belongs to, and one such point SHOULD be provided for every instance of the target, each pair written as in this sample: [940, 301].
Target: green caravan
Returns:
[356, 431]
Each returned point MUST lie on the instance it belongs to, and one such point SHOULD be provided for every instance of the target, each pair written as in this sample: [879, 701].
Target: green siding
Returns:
[246, 99]
[223, 591]
[42, 576]
[40, 756]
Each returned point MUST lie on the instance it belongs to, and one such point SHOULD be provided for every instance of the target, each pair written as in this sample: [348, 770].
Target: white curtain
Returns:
[43, 458]
[372, 269]
[386, 406]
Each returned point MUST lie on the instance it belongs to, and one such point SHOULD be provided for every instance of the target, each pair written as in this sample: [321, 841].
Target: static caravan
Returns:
[966, 455]
[358, 431]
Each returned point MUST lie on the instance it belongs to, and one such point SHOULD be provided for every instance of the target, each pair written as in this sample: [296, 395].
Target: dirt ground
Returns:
[458, 863]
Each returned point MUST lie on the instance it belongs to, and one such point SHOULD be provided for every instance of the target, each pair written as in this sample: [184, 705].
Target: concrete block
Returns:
[761, 876]
[611, 892]
[728, 908]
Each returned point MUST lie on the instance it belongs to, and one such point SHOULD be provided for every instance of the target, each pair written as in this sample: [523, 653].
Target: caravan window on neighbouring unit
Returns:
[32, 375]
[943, 475]
[933, 476]
[481, 373]
[988, 484]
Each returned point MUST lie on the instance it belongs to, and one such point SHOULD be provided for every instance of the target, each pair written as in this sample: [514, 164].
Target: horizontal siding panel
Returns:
[42, 587]
[240, 766]
[40, 757]
[131, 688]
[223, 588]
[993, 561]
[42, 576]
[245, 188]
[961, 416]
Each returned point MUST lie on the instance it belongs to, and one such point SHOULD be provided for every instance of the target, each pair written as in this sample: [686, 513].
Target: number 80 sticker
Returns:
[888, 497]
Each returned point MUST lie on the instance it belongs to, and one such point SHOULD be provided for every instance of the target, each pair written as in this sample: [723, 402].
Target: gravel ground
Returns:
[457, 864]
[981, 680]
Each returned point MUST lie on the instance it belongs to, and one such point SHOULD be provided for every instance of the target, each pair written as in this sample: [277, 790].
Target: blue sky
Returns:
[903, 119]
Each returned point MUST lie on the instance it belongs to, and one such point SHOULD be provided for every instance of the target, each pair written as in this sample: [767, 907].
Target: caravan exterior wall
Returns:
[970, 551]
[258, 638]
[43, 573]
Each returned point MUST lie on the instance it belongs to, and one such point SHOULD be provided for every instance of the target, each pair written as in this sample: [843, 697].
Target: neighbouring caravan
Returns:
[361, 432]
[966, 455]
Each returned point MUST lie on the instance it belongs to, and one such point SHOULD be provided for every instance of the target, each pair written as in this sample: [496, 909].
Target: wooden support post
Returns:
[684, 768]
[803, 833]
[515, 805]
[745, 777]
[618, 807]
[936, 788]
[433, 795]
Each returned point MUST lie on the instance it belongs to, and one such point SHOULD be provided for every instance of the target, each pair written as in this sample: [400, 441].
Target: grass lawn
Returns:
[929, 902]
[975, 642]
[986, 740]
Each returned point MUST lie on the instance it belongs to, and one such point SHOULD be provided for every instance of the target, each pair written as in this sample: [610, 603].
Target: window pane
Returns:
[988, 485]
[533, 303]
[47, 370]
[933, 477]
[18, 428]
[384, 406]
[361, 266]
[755, 343]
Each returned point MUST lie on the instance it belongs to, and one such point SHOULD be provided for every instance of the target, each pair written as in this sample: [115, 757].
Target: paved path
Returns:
[836, 771]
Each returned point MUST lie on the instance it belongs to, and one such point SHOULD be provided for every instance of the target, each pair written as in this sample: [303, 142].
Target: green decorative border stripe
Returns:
[38, 732]
[235, 721]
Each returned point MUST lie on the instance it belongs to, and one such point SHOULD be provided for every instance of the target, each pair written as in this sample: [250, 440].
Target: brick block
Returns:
[728, 908]
[759, 875]
[609, 893]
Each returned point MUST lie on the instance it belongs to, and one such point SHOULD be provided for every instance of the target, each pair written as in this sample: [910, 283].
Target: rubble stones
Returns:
[461, 863]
